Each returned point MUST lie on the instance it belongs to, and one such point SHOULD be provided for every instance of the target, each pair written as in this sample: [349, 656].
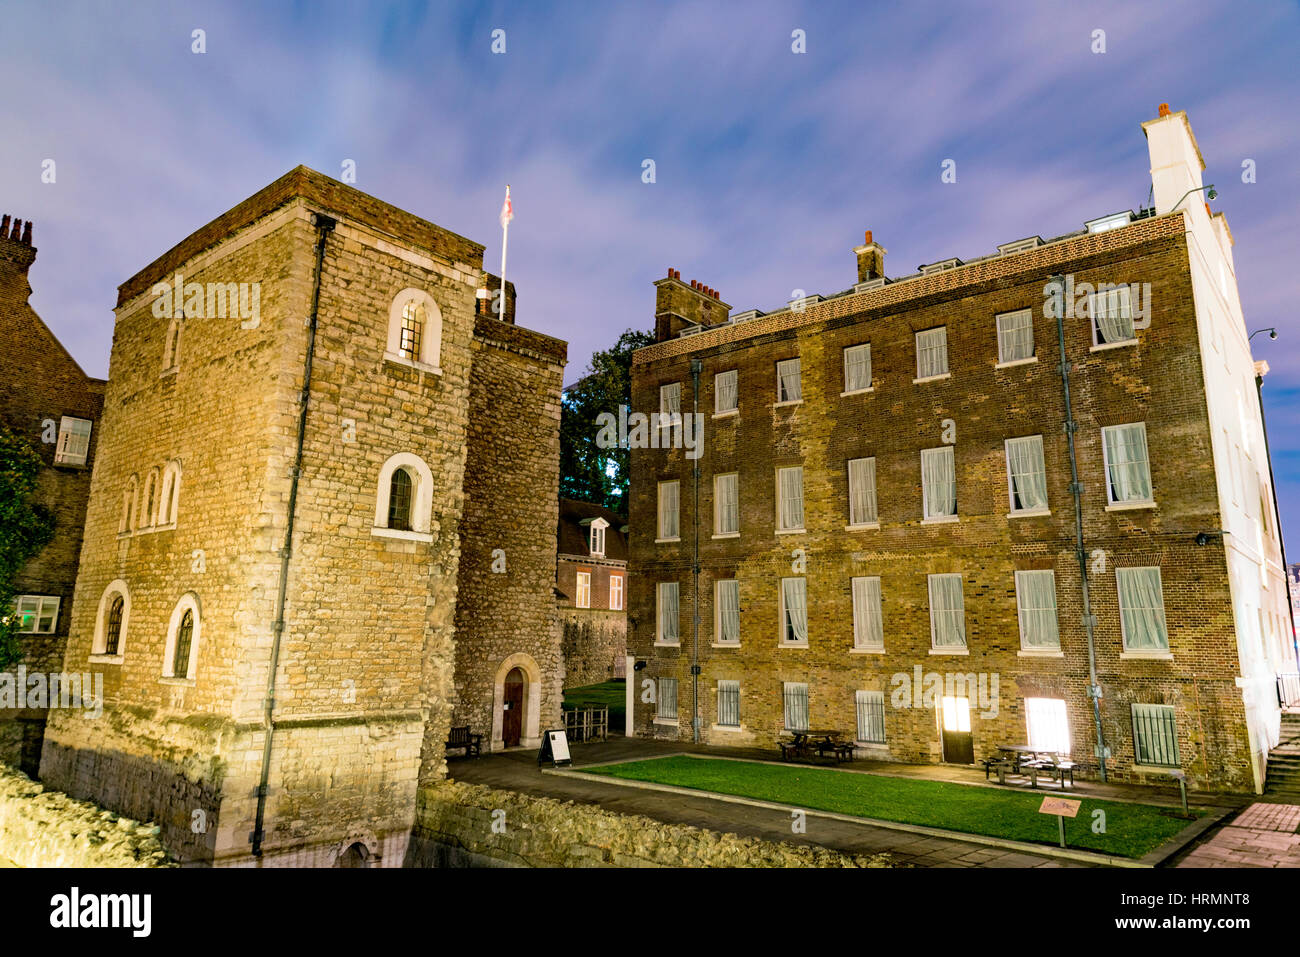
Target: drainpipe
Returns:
[324, 226]
[1277, 520]
[696, 366]
[1076, 490]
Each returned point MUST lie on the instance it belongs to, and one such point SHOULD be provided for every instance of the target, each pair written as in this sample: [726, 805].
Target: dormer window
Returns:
[597, 542]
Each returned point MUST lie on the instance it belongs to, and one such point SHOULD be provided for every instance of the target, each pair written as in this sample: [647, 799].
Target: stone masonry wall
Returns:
[455, 824]
[595, 645]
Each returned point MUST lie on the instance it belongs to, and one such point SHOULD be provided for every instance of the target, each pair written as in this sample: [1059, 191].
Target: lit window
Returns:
[789, 387]
[37, 614]
[412, 329]
[1048, 725]
[74, 441]
[1128, 472]
[616, 592]
[932, 353]
[584, 590]
[1016, 336]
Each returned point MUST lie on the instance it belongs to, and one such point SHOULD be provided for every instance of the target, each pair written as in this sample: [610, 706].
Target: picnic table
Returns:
[806, 744]
[1022, 758]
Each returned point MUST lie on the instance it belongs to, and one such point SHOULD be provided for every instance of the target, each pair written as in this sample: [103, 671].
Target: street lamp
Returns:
[1272, 333]
[1212, 194]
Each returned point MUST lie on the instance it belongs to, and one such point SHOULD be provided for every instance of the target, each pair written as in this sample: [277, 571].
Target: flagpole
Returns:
[505, 239]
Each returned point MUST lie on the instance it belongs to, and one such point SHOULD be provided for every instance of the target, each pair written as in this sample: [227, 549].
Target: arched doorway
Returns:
[512, 716]
[354, 856]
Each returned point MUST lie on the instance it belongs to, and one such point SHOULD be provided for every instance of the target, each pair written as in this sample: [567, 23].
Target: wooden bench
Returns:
[461, 737]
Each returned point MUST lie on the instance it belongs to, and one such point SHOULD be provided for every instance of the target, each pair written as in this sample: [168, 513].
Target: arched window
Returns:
[415, 331]
[126, 524]
[171, 490]
[149, 503]
[404, 498]
[111, 621]
[399, 500]
[182, 651]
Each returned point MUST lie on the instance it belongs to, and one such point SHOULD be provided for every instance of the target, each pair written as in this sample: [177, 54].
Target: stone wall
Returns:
[458, 823]
[44, 828]
[595, 645]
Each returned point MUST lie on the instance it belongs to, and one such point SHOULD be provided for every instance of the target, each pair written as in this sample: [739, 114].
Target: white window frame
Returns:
[1022, 580]
[596, 538]
[1016, 511]
[73, 446]
[860, 697]
[188, 602]
[720, 640]
[1111, 502]
[36, 606]
[662, 589]
[786, 687]
[615, 592]
[935, 647]
[583, 597]
[781, 622]
[661, 513]
[719, 482]
[169, 495]
[863, 521]
[781, 528]
[1018, 316]
[430, 358]
[421, 498]
[1157, 652]
[926, 517]
[873, 611]
[660, 685]
[849, 389]
[936, 333]
[733, 688]
[718, 410]
[1125, 299]
[784, 369]
[99, 642]
[670, 405]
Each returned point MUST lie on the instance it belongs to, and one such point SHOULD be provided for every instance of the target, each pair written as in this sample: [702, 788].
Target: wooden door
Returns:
[954, 727]
[512, 718]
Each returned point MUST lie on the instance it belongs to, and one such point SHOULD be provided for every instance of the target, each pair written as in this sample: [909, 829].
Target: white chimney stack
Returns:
[1176, 162]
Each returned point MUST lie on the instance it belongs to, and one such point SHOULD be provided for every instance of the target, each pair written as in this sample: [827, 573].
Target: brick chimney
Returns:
[680, 304]
[16, 250]
[483, 305]
[871, 259]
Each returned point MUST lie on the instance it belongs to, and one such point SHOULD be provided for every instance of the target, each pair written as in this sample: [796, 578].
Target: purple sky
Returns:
[769, 164]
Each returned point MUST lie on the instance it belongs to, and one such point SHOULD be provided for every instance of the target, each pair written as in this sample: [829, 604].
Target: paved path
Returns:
[517, 771]
[1263, 835]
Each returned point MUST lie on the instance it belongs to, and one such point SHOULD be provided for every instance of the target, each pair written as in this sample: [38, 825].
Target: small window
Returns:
[668, 614]
[1128, 472]
[726, 596]
[37, 614]
[871, 716]
[868, 628]
[149, 501]
[795, 709]
[1112, 316]
[789, 387]
[726, 392]
[412, 330]
[1026, 474]
[181, 653]
[789, 499]
[1016, 336]
[74, 441]
[1155, 735]
[113, 627]
[938, 484]
[415, 330]
[857, 368]
[666, 705]
[670, 404]
[1048, 725]
[596, 541]
[669, 528]
[794, 611]
[947, 612]
[726, 504]
[1036, 601]
[1142, 610]
[399, 500]
[729, 704]
[932, 353]
[862, 492]
[616, 592]
[584, 590]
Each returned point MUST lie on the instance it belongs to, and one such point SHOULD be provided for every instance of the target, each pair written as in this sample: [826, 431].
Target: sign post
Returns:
[555, 748]
[1062, 808]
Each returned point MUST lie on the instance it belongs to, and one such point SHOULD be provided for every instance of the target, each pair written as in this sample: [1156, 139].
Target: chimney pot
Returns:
[27, 230]
[670, 272]
[677, 274]
[868, 239]
[4, 226]
[17, 233]
[1164, 109]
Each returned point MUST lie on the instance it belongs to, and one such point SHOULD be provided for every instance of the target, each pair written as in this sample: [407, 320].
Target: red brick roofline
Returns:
[321, 191]
[20, 233]
[1043, 259]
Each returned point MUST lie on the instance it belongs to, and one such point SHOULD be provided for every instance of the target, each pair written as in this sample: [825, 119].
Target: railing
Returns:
[1288, 688]
[587, 724]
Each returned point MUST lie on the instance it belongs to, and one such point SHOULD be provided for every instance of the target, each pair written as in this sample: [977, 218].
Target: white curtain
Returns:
[728, 518]
[791, 481]
[939, 479]
[857, 368]
[1048, 725]
[668, 527]
[931, 352]
[796, 706]
[667, 707]
[668, 611]
[1028, 474]
[788, 384]
[729, 610]
[871, 716]
[1114, 315]
[1142, 608]
[1036, 597]
[868, 630]
[862, 491]
[1126, 463]
[947, 612]
[796, 609]
[1015, 336]
[670, 397]
[724, 396]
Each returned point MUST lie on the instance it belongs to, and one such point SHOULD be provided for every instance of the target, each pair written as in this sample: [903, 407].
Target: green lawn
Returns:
[1131, 830]
[610, 693]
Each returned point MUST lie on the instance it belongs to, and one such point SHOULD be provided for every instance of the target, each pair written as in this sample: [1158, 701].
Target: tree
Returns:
[26, 527]
[587, 472]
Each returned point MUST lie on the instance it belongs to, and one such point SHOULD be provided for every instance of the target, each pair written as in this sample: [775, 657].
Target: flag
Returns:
[507, 210]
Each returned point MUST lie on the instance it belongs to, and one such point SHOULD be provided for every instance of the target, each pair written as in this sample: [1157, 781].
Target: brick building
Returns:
[315, 531]
[886, 515]
[591, 591]
[45, 396]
